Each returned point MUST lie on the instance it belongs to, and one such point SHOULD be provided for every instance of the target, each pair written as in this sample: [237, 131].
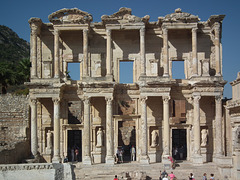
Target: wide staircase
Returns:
[106, 172]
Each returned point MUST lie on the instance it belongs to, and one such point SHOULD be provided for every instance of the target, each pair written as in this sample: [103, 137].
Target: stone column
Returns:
[34, 51]
[34, 138]
[218, 129]
[56, 53]
[165, 53]
[194, 52]
[85, 53]
[109, 131]
[166, 127]
[217, 49]
[142, 52]
[109, 52]
[196, 123]
[56, 130]
[144, 159]
[86, 133]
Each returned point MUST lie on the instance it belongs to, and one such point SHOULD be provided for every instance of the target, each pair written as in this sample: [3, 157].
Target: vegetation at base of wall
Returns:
[14, 61]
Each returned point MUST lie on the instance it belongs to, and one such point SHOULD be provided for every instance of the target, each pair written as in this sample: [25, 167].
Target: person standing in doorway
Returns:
[133, 151]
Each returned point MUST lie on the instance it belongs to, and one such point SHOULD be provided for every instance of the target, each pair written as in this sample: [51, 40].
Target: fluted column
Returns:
[86, 133]
[196, 123]
[109, 131]
[109, 52]
[34, 139]
[34, 51]
[165, 53]
[218, 129]
[85, 52]
[142, 52]
[56, 53]
[194, 52]
[217, 49]
[56, 130]
[166, 126]
[144, 159]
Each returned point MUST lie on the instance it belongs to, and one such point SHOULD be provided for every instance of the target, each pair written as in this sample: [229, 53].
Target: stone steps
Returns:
[106, 172]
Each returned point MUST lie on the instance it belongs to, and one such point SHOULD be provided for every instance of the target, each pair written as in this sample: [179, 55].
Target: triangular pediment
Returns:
[70, 16]
[124, 15]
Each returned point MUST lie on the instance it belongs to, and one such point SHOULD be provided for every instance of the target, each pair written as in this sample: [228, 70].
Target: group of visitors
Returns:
[165, 176]
[120, 152]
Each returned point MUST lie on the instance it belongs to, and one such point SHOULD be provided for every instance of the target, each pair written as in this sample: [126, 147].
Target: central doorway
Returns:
[179, 144]
[126, 138]
[75, 145]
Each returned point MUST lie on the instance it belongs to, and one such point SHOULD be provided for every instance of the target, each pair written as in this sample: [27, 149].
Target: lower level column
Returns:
[109, 132]
[34, 142]
[56, 136]
[144, 159]
[197, 158]
[218, 146]
[86, 133]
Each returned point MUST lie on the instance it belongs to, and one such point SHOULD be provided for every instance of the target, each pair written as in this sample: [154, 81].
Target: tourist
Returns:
[204, 176]
[76, 153]
[165, 178]
[172, 162]
[72, 154]
[172, 176]
[181, 151]
[164, 173]
[121, 155]
[191, 177]
[175, 152]
[115, 178]
[160, 177]
[212, 177]
[132, 151]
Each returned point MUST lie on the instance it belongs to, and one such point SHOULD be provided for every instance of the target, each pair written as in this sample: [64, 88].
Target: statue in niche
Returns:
[49, 142]
[204, 137]
[99, 137]
[154, 138]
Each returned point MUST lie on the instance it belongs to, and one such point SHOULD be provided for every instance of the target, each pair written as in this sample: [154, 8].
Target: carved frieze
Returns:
[73, 15]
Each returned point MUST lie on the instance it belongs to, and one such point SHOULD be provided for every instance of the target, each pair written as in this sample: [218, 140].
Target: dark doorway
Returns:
[75, 145]
[127, 139]
[179, 144]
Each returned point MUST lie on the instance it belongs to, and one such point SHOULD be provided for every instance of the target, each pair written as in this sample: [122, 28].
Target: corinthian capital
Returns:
[56, 101]
[196, 98]
[166, 99]
[142, 31]
[86, 100]
[143, 99]
[33, 101]
[218, 99]
[109, 100]
[108, 31]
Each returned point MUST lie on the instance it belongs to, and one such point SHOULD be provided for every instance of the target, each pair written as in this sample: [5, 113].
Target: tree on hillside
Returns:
[7, 75]
[23, 70]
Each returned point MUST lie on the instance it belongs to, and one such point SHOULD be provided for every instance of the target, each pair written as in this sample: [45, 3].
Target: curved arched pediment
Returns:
[73, 16]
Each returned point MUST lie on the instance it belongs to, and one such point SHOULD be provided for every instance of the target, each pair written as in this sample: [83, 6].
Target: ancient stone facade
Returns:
[155, 113]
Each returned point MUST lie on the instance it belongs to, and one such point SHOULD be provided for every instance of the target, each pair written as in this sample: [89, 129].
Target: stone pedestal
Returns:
[197, 159]
[204, 154]
[166, 162]
[152, 156]
[98, 156]
[110, 160]
[144, 159]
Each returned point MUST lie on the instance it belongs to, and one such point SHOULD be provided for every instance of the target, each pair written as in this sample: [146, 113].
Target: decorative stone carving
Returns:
[99, 137]
[154, 138]
[126, 133]
[204, 133]
[124, 15]
[70, 16]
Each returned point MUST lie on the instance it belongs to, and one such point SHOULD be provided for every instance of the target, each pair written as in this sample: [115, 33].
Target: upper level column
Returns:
[109, 52]
[86, 133]
[109, 131]
[194, 52]
[217, 49]
[85, 52]
[144, 129]
[218, 116]
[142, 52]
[34, 51]
[56, 136]
[34, 138]
[56, 53]
[165, 53]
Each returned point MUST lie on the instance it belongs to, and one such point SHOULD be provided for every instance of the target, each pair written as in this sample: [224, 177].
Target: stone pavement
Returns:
[106, 172]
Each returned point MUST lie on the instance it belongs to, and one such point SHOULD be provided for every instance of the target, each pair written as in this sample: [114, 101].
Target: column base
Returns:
[144, 159]
[56, 159]
[109, 160]
[87, 160]
[197, 159]
[165, 75]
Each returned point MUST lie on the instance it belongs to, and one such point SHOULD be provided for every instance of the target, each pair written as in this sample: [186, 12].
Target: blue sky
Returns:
[15, 14]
